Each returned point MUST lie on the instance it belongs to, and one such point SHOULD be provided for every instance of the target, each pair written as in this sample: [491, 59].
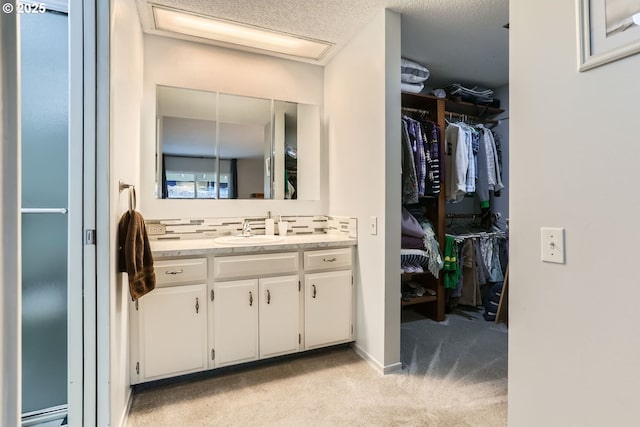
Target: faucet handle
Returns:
[246, 228]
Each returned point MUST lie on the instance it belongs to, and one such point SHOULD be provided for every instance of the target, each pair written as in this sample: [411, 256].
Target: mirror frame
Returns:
[273, 151]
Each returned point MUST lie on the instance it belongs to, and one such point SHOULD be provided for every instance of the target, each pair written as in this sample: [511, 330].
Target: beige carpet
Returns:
[337, 388]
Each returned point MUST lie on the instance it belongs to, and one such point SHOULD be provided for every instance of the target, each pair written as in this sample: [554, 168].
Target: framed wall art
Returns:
[608, 30]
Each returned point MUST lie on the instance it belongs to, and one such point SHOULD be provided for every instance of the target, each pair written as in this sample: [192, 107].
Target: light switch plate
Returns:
[552, 244]
[373, 225]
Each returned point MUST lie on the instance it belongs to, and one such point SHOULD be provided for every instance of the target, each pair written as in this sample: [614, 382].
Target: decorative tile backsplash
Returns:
[201, 228]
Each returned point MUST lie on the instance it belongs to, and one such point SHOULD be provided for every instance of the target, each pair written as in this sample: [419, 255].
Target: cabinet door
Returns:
[327, 309]
[172, 331]
[279, 316]
[235, 321]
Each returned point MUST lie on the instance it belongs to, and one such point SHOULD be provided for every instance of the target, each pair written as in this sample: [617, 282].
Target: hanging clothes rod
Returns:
[473, 215]
[414, 110]
[466, 117]
[44, 210]
[462, 237]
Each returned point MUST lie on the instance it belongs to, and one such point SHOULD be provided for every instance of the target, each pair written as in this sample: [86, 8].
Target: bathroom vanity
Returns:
[220, 303]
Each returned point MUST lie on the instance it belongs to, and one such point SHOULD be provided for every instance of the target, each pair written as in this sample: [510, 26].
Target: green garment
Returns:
[452, 270]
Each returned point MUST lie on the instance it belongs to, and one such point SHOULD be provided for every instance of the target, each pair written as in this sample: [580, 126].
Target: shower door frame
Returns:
[82, 388]
[81, 311]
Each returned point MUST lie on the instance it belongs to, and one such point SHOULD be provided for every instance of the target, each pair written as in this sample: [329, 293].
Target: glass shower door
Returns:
[45, 151]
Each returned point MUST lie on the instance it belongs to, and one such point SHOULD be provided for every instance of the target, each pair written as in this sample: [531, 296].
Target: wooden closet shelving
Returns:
[436, 109]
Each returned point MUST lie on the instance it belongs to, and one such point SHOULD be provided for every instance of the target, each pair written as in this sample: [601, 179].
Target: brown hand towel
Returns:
[134, 254]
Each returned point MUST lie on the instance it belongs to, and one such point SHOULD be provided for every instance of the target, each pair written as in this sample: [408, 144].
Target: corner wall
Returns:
[125, 106]
[362, 106]
[573, 328]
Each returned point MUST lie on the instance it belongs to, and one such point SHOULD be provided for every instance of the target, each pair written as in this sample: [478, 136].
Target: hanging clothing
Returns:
[493, 168]
[456, 162]
[497, 138]
[472, 163]
[479, 256]
[451, 268]
[421, 162]
[433, 157]
[409, 177]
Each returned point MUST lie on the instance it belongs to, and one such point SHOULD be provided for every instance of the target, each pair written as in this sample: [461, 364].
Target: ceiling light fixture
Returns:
[636, 18]
[238, 34]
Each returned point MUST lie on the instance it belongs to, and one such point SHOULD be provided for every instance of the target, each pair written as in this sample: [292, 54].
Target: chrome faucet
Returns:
[246, 229]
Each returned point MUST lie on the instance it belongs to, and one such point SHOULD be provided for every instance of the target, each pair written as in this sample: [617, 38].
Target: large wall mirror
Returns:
[213, 145]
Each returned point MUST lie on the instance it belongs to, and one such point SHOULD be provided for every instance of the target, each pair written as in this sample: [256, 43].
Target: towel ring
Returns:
[132, 198]
[132, 194]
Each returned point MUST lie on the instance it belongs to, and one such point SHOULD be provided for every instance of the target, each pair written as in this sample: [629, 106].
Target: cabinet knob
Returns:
[250, 298]
[173, 272]
[197, 305]
[329, 259]
[313, 294]
[268, 297]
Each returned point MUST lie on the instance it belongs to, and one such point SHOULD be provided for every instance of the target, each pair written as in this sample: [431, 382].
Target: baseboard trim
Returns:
[47, 415]
[389, 369]
[124, 418]
[384, 370]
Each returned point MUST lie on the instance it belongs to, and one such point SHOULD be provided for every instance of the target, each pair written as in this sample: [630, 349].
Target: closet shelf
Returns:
[459, 107]
[419, 300]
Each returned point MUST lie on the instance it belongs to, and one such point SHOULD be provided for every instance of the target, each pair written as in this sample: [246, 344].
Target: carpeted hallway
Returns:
[455, 374]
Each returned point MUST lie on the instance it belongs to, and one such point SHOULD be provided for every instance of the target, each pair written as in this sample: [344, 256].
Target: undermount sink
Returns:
[256, 239]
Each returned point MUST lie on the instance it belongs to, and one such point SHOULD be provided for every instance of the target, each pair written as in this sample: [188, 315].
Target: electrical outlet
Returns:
[156, 229]
[552, 244]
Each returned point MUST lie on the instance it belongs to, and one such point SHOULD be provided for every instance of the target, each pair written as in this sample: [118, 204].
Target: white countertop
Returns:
[180, 247]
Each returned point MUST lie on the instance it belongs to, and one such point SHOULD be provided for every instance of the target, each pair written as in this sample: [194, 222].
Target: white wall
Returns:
[362, 106]
[199, 66]
[574, 344]
[126, 100]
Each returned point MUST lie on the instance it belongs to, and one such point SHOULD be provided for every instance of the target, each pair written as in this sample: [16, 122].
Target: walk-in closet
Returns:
[454, 231]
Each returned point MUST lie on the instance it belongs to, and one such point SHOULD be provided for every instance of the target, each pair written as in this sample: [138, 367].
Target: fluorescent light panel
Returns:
[238, 34]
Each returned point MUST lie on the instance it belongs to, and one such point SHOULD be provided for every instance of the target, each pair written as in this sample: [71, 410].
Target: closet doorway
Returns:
[452, 272]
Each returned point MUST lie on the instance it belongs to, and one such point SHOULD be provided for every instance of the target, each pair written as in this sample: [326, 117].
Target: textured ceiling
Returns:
[458, 40]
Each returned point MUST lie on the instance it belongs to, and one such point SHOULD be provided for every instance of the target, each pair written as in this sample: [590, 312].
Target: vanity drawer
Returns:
[325, 259]
[176, 271]
[253, 265]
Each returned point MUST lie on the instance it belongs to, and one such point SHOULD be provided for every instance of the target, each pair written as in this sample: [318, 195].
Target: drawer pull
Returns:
[174, 272]
[250, 299]
[197, 305]
[313, 294]
[268, 297]
[329, 259]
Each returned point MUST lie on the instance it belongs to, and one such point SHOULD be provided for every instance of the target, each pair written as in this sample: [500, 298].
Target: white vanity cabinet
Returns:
[220, 310]
[169, 324]
[328, 301]
[279, 315]
[255, 317]
[235, 322]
